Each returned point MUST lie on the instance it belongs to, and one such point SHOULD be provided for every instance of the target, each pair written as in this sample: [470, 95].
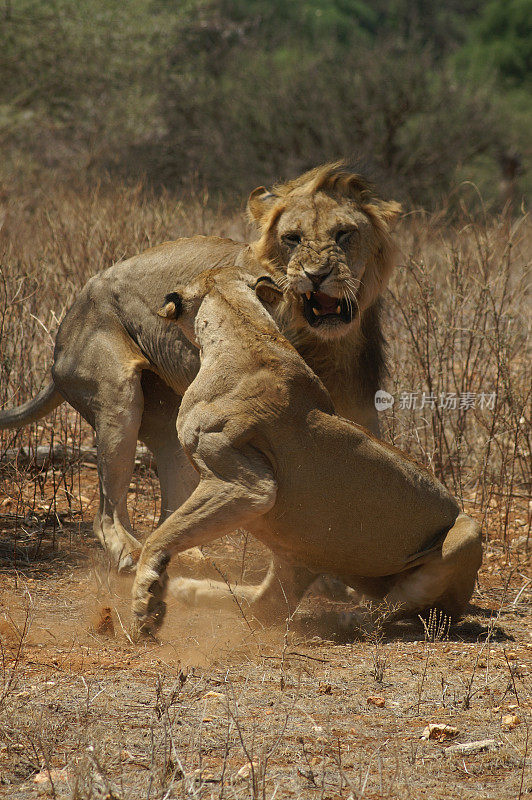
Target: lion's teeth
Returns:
[315, 311]
[337, 309]
[308, 295]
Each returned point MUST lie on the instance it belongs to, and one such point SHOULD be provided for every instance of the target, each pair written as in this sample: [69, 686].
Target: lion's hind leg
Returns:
[117, 423]
[447, 580]
[99, 376]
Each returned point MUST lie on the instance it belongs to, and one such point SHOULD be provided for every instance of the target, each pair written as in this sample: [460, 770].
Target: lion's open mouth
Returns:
[320, 308]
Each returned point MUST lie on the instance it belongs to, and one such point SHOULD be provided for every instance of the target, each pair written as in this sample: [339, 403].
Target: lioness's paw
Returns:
[149, 589]
[148, 612]
[147, 618]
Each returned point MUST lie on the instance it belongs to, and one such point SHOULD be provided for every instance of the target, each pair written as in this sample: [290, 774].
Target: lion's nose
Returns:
[317, 278]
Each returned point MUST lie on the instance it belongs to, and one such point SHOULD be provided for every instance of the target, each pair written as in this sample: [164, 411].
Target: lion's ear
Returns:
[173, 306]
[260, 203]
[267, 290]
[388, 211]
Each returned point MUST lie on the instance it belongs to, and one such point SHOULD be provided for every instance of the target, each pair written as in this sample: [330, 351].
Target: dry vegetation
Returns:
[85, 714]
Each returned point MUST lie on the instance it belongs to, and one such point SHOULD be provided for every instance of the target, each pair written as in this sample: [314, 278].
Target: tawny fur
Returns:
[320, 491]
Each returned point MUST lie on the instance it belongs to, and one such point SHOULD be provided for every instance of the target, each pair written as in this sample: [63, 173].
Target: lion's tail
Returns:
[34, 409]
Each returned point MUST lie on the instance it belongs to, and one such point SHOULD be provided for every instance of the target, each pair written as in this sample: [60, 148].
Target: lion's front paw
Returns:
[149, 590]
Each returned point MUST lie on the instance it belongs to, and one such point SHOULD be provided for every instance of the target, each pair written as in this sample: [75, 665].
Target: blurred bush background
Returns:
[228, 94]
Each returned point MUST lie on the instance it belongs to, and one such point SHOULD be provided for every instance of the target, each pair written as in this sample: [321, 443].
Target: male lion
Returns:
[324, 236]
[320, 491]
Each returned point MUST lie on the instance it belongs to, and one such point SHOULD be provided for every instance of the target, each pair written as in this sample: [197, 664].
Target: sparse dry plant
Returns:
[436, 625]
[459, 361]
[375, 636]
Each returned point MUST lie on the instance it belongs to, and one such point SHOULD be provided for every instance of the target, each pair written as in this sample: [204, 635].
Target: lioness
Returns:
[320, 491]
[325, 237]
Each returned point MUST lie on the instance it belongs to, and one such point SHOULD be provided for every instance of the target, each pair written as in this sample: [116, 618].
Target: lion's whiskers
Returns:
[283, 281]
[350, 295]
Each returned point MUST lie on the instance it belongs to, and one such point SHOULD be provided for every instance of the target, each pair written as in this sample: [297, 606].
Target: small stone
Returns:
[214, 696]
[53, 775]
[245, 771]
[204, 776]
[510, 721]
[376, 701]
[439, 731]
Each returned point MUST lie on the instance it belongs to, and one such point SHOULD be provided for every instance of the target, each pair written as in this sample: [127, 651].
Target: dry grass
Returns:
[90, 716]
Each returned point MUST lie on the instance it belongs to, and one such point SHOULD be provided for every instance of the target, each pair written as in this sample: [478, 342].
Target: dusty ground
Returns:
[84, 713]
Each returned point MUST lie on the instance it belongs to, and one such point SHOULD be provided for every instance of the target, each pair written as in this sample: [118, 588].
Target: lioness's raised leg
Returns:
[235, 488]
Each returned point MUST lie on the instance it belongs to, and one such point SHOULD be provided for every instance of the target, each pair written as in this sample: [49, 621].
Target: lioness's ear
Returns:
[267, 290]
[260, 202]
[173, 306]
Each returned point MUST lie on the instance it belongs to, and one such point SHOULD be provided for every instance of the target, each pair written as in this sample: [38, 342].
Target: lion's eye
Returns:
[291, 239]
[343, 236]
